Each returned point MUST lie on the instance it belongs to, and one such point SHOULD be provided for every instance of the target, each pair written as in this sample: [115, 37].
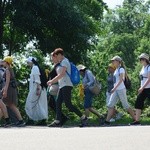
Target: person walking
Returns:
[119, 90]
[65, 87]
[9, 90]
[110, 85]
[3, 109]
[36, 106]
[144, 90]
[53, 89]
[88, 79]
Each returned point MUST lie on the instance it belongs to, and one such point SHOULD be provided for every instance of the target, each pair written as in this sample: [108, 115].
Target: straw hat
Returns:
[8, 59]
[117, 58]
[112, 66]
[81, 67]
[144, 56]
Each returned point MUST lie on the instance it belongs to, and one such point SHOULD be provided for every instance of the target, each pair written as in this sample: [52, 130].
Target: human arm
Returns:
[59, 76]
[145, 84]
[5, 89]
[90, 77]
[121, 79]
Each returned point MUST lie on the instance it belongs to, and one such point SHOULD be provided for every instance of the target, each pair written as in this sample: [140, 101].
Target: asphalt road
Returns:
[75, 138]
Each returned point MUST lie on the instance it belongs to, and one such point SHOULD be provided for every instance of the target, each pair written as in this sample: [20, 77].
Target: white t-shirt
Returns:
[144, 73]
[117, 73]
[65, 80]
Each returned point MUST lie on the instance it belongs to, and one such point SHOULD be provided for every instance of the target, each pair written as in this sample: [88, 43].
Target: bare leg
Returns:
[16, 111]
[110, 114]
[1, 113]
[131, 112]
[95, 112]
[4, 109]
[138, 114]
[87, 112]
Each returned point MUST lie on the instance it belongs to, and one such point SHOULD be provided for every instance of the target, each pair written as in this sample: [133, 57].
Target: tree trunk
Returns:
[2, 11]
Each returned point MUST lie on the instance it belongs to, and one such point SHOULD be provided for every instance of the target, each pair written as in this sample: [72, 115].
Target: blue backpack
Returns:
[75, 74]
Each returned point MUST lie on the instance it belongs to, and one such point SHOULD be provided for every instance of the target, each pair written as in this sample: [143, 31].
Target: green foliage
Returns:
[86, 35]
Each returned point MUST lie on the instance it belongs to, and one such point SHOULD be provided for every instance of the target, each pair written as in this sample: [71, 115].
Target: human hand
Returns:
[4, 93]
[49, 83]
[112, 91]
[38, 91]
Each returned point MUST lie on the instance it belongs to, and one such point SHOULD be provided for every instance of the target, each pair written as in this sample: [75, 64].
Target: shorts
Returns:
[108, 94]
[118, 95]
[88, 98]
[139, 104]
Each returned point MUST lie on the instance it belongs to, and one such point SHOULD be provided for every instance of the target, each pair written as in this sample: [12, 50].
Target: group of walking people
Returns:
[59, 88]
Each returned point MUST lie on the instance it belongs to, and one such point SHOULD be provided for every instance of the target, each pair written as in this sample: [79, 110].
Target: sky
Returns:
[112, 3]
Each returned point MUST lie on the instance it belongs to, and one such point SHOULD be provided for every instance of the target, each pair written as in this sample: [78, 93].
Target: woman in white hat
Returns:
[87, 81]
[144, 90]
[118, 91]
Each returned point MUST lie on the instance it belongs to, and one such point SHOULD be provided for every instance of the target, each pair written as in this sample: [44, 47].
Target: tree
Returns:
[63, 23]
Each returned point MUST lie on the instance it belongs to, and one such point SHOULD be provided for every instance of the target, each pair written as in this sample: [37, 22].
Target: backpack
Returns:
[75, 74]
[1, 78]
[127, 81]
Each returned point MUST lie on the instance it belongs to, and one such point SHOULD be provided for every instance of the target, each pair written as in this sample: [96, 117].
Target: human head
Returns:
[30, 61]
[111, 68]
[116, 61]
[53, 58]
[59, 53]
[144, 58]
[7, 61]
[81, 69]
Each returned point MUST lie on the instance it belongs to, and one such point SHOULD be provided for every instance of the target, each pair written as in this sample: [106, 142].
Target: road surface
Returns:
[75, 138]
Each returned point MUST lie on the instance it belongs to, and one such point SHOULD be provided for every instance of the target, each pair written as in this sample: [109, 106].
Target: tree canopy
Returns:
[62, 23]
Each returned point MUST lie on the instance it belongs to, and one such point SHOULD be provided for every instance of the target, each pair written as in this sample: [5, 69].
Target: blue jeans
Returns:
[88, 98]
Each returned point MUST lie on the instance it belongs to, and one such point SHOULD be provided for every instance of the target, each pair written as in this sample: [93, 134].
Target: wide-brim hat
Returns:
[144, 56]
[8, 59]
[81, 67]
[117, 58]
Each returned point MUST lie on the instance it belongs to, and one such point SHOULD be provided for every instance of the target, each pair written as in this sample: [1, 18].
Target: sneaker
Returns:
[7, 124]
[135, 123]
[84, 122]
[106, 123]
[112, 120]
[20, 123]
[118, 116]
[54, 124]
[101, 120]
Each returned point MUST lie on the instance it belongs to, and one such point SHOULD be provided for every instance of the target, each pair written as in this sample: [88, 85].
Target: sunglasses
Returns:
[142, 59]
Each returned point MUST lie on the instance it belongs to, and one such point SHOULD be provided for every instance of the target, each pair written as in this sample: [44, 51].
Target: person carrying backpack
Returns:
[88, 80]
[110, 84]
[65, 88]
[53, 89]
[36, 106]
[9, 91]
[118, 91]
[144, 90]
[3, 108]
